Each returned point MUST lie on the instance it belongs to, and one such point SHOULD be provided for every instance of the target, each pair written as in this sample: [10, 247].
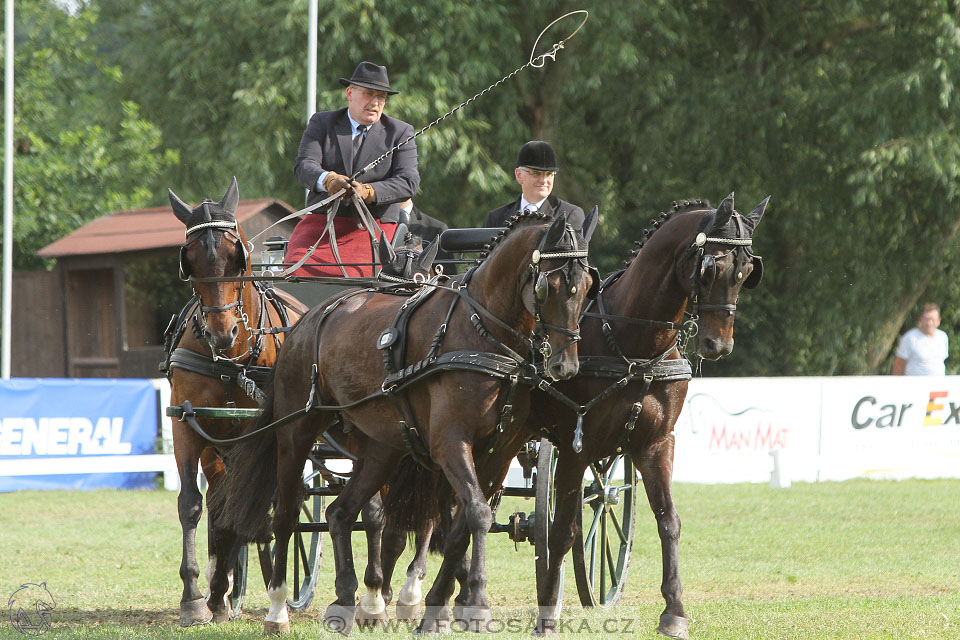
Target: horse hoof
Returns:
[365, 619]
[545, 628]
[339, 618]
[474, 619]
[408, 612]
[275, 628]
[674, 627]
[195, 612]
[224, 614]
[433, 625]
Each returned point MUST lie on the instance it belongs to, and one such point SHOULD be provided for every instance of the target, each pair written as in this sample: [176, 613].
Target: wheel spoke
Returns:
[614, 574]
[617, 527]
[603, 554]
[614, 465]
[592, 532]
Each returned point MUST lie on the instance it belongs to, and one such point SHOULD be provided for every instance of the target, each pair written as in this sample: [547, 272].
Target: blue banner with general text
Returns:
[56, 418]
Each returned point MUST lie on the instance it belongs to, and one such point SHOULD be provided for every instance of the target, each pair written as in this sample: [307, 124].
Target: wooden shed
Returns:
[102, 312]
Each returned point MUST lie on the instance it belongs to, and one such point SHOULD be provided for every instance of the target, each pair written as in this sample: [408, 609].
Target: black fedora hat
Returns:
[537, 155]
[369, 76]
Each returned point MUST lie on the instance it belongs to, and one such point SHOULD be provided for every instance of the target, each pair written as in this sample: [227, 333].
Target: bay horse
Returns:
[219, 349]
[699, 257]
[693, 256]
[457, 396]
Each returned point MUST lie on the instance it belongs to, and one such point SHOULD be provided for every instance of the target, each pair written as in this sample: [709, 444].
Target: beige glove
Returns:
[365, 191]
[335, 182]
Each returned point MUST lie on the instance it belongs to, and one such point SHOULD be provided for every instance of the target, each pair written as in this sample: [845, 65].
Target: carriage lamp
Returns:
[274, 249]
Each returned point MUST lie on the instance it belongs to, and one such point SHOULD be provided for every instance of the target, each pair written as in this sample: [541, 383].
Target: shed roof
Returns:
[153, 228]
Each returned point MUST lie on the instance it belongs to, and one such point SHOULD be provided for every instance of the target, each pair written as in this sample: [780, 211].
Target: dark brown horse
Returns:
[230, 332]
[695, 257]
[458, 396]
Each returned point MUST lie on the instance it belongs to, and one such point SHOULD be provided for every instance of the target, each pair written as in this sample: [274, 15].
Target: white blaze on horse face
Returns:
[412, 591]
[278, 604]
[372, 602]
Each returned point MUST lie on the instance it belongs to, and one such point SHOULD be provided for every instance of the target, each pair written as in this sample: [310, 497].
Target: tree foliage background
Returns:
[845, 112]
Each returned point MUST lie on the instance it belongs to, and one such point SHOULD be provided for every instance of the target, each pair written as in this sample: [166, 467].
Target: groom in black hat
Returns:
[535, 172]
[336, 144]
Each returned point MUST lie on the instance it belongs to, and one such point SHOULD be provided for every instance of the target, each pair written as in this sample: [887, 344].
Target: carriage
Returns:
[595, 468]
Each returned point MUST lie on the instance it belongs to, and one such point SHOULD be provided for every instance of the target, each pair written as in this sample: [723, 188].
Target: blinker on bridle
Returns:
[541, 288]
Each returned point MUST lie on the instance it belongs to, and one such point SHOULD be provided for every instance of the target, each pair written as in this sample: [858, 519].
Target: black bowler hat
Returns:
[369, 76]
[537, 155]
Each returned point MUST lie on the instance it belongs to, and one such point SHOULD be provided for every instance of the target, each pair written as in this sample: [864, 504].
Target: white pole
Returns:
[7, 189]
[312, 61]
[311, 67]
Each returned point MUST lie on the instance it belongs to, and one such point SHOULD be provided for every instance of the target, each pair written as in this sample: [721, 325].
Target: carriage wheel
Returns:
[601, 552]
[546, 500]
[307, 549]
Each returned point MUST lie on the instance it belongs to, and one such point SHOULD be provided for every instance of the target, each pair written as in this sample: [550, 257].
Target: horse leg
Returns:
[411, 595]
[293, 446]
[369, 475]
[221, 553]
[372, 608]
[436, 616]
[393, 543]
[656, 468]
[187, 448]
[477, 517]
[568, 478]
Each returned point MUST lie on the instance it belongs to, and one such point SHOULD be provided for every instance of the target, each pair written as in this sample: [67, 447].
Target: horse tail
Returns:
[243, 504]
[413, 499]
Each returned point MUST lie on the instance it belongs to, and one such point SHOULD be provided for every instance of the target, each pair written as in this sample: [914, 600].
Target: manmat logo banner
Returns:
[822, 428]
[729, 426]
[57, 418]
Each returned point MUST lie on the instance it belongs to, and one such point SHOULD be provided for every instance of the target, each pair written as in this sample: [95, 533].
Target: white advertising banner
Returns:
[730, 426]
[808, 429]
[891, 427]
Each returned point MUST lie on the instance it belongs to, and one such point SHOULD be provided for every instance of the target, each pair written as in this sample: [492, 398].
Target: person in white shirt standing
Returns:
[923, 349]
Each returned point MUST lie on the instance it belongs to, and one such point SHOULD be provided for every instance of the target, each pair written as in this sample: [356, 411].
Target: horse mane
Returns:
[684, 206]
[514, 222]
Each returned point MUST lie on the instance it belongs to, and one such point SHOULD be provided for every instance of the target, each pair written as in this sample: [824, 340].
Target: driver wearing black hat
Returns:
[338, 143]
[535, 172]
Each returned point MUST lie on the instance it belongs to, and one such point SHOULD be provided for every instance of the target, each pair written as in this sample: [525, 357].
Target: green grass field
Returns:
[859, 559]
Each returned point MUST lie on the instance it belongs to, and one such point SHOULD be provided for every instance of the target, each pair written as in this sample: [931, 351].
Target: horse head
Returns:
[215, 248]
[554, 281]
[718, 262]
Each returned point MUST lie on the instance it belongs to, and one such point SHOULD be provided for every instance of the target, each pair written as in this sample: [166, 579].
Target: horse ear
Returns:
[555, 232]
[427, 256]
[180, 208]
[385, 251]
[590, 223]
[753, 218]
[231, 198]
[724, 211]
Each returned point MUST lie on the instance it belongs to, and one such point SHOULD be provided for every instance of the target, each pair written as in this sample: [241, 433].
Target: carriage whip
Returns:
[535, 61]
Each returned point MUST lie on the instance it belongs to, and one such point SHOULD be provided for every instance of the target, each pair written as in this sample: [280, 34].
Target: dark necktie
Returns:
[358, 139]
